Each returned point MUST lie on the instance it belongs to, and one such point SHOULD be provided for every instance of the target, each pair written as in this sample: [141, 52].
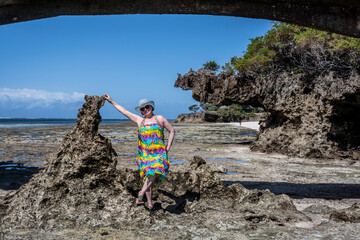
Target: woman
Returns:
[152, 155]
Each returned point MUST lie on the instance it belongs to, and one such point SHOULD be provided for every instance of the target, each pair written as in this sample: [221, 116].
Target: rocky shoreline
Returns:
[216, 188]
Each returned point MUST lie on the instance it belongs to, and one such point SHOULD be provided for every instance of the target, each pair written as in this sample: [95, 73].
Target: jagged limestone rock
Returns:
[308, 116]
[351, 214]
[80, 186]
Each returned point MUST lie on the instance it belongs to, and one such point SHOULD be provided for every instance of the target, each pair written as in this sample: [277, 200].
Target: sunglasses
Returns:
[146, 107]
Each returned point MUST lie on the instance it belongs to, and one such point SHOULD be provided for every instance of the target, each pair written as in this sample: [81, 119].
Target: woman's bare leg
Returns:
[141, 193]
[147, 188]
[149, 191]
[148, 196]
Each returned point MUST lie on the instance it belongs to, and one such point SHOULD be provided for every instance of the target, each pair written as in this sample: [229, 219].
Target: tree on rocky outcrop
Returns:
[294, 49]
[308, 82]
[211, 66]
[194, 108]
[229, 66]
[208, 107]
[232, 110]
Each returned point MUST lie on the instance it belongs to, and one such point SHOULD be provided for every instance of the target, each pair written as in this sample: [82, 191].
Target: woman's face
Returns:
[147, 110]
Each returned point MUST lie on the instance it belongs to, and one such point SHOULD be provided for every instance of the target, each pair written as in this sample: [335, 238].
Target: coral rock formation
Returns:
[351, 214]
[197, 179]
[80, 185]
[308, 116]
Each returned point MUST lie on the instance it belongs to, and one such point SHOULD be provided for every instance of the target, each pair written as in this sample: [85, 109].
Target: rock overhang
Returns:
[320, 123]
[335, 16]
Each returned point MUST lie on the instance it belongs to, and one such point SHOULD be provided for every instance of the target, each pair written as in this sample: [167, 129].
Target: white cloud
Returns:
[31, 98]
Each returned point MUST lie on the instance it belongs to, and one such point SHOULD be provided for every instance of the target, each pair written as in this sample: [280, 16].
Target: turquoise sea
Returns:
[46, 122]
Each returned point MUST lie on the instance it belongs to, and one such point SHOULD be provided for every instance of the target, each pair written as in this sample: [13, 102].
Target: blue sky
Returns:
[47, 65]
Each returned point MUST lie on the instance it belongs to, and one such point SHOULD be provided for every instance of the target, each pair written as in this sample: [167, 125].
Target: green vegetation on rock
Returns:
[296, 49]
[211, 66]
[235, 110]
[209, 107]
[194, 108]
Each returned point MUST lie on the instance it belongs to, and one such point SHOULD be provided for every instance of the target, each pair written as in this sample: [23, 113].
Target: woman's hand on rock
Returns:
[107, 97]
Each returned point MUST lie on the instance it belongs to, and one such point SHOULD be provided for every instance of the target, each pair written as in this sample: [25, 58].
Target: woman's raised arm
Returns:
[133, 117]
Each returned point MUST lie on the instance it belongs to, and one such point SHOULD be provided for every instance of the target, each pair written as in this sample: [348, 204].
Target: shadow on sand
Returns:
[331, 191]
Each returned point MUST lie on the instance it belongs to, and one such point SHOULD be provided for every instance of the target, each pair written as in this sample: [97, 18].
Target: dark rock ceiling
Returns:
[331, 15]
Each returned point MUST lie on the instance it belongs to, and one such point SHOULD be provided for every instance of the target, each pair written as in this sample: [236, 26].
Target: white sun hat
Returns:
[143, 103]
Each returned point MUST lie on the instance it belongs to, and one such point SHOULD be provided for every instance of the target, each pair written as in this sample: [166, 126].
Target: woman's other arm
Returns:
[133, 117]
[170, 129]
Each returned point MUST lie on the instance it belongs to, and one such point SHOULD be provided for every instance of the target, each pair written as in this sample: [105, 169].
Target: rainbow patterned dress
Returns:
[152, 158]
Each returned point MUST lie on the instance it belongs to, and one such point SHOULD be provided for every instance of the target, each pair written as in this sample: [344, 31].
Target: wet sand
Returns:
[320, 184]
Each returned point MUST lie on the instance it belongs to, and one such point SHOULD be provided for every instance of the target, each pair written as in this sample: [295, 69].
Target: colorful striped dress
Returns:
[152, 158]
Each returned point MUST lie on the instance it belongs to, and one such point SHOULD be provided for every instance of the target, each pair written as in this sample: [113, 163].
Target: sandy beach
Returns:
[251, 125]
[316, 186]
